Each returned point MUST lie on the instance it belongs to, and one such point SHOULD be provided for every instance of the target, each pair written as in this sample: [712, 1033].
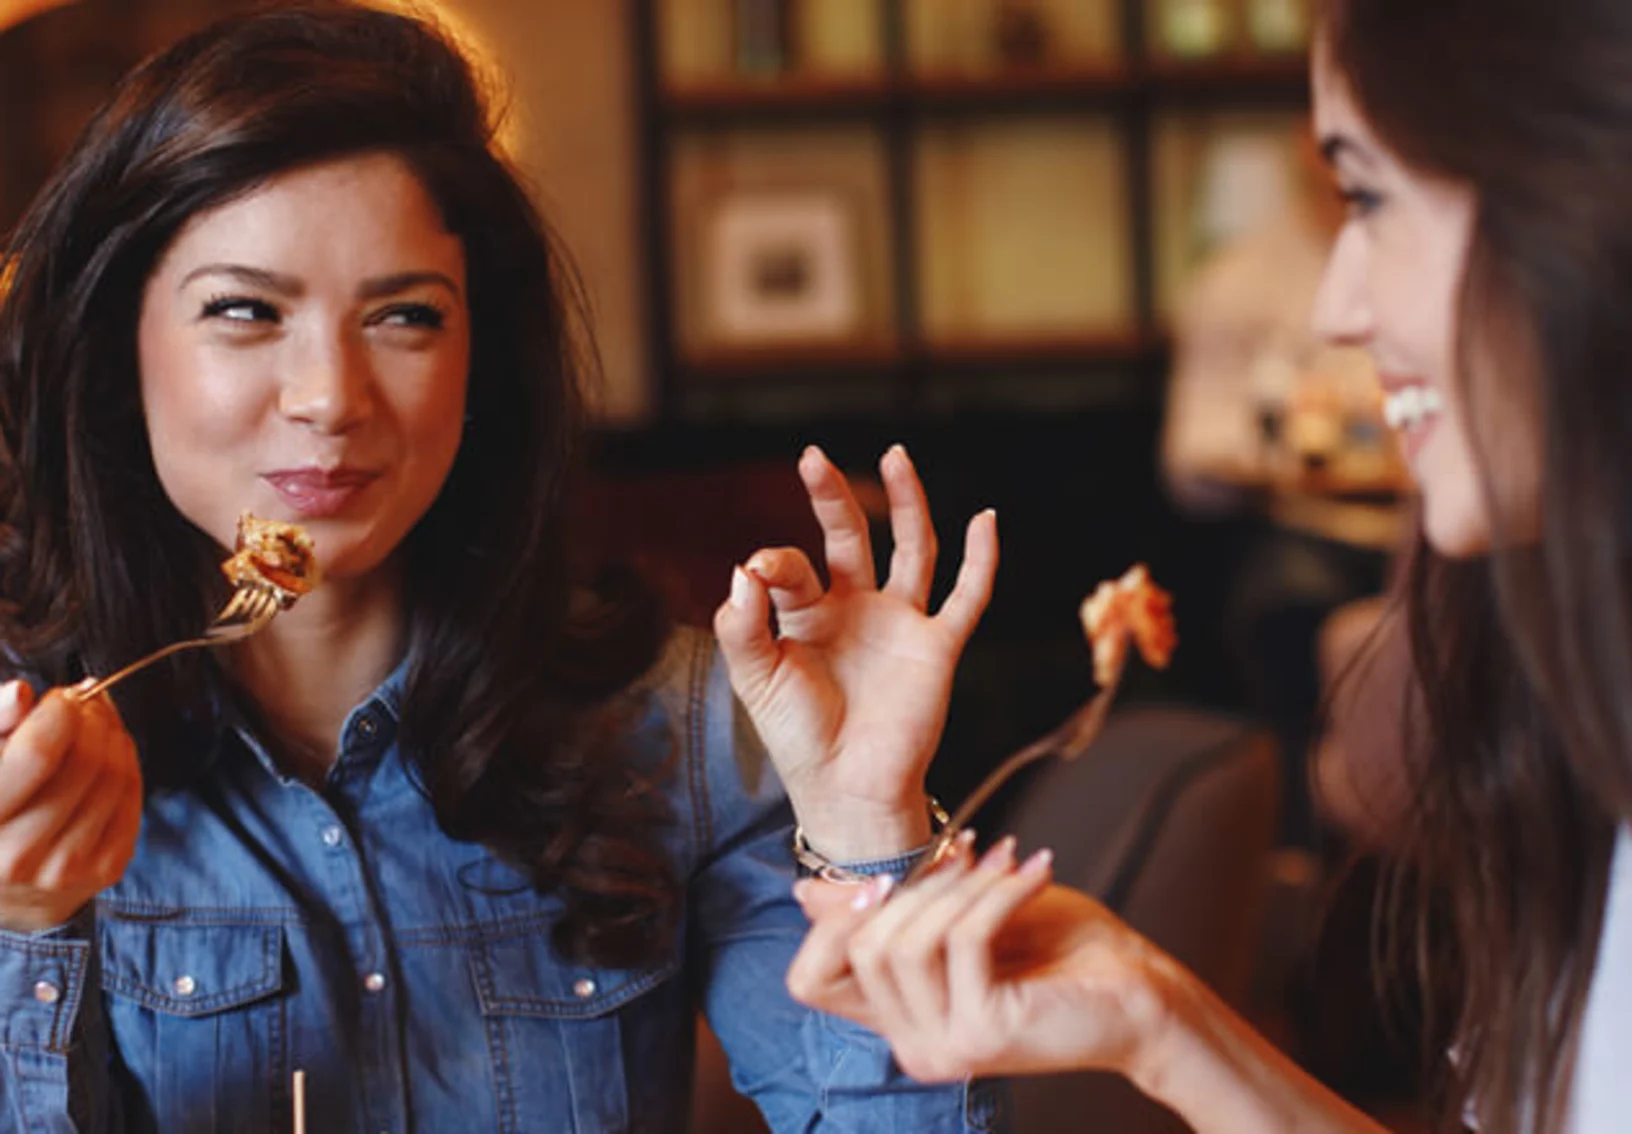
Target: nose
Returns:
[331, 385]
[1342, 312]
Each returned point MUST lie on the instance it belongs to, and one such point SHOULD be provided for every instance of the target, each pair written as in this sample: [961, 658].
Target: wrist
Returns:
[866, 831]
[1220, 1076]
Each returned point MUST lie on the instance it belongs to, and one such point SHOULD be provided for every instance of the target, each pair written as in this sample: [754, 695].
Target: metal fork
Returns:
[1070, 740]
[249, 609]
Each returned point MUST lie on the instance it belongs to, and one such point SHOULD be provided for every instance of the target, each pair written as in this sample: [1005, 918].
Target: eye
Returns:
[1360, 202]
[239, 309]
[420, 316]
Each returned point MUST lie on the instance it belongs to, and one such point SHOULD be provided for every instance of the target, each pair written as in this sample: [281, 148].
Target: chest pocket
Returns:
[198, 1014]
[563, 1036]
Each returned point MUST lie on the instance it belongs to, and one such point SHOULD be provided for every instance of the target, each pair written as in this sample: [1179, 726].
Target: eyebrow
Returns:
[1334, 146]
[401, 281]
[292, 288]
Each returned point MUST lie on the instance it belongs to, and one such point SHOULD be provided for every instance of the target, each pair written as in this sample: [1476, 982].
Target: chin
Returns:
[1455, 529]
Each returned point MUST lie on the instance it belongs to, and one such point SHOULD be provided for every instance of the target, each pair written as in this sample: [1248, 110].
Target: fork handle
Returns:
[112, 679]
[1069, 740]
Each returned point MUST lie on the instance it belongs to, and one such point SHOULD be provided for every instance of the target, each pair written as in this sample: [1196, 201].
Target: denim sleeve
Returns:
[53, 1036]
[807, 1071]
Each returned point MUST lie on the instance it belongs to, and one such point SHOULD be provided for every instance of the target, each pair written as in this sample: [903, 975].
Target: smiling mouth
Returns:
[313, 494]
[1410, 407]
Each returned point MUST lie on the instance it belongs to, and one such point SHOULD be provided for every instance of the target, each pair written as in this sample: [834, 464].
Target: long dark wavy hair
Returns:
[1523, 766]
[521, 660]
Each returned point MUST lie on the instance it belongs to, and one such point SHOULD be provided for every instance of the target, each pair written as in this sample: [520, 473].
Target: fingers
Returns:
[820, 974]
[969, 963]
[847, 545]
[973, 590]
[789, 576]
[36, 751]
[912, 563]
[90, 849]
[742, 627]
[16, 699]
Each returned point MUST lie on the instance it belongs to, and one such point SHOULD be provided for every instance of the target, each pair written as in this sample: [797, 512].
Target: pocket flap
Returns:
[520, 975]
[191, 970]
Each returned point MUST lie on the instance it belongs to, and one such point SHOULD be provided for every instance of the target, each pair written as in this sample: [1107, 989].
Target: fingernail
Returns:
[992, 512]
[1001, 856]
[874, 892]
[739, 588]
[11, 695]
[965, 840]
[898, 450]
[1039, 862]
[801, 891]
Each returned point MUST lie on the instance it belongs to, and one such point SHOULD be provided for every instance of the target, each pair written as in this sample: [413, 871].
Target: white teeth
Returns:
[1408, 408]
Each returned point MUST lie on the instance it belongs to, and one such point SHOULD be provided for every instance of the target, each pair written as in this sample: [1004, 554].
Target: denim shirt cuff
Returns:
[897, 864]
[42, 982]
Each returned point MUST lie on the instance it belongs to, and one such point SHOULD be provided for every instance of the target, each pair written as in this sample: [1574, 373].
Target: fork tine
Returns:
[235, 605]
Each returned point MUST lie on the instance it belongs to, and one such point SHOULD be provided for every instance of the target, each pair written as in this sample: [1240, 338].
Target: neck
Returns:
[318, 660]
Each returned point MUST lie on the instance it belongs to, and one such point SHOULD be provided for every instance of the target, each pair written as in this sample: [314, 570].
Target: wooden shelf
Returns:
[801, 94]
[799, 360]
[726, 102]
[979, 352]
[876, 360]
[1282, 79]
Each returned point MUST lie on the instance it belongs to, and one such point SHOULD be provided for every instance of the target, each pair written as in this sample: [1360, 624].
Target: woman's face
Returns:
[304, 351]
[1393, 286]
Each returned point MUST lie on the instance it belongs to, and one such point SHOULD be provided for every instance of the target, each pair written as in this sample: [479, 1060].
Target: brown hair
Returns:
[513, 700]
[1524, 658]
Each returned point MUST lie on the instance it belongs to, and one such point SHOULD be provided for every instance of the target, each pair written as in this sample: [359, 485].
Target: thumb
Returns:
[16, 698]
[743, 627]
[822, 901]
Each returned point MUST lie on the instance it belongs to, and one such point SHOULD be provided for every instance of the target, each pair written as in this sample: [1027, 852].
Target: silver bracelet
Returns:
[813, 864]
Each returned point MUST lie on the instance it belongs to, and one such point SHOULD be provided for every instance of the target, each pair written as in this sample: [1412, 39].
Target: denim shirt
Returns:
[265, 927]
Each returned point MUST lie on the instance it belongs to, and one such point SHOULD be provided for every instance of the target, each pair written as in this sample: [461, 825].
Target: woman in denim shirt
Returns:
[466, 835]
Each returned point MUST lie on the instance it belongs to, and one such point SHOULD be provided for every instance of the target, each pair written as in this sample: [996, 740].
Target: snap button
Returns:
[374, 982]
[584, 989]
[185, 985]
[47, 993]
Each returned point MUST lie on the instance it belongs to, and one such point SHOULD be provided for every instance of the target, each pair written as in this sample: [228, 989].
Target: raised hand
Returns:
[70, 805]
[850, 693]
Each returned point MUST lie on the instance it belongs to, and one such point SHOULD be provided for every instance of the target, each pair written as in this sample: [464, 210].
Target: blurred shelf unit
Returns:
[924, 206]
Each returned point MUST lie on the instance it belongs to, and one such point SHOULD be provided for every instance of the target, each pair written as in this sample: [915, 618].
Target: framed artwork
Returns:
[781, 266]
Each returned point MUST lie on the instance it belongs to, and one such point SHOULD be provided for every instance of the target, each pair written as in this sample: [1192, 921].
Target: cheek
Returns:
[435, 417]
[1455, 516]
[200, 412]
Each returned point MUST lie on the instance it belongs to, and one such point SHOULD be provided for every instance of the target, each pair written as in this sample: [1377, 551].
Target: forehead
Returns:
[1334, 109]
[372, 200]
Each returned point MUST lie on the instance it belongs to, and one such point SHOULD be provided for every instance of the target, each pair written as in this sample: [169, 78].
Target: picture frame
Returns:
[781, 266]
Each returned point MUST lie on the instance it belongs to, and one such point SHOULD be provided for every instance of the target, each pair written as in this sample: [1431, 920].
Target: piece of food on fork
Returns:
[1130, 607]
[275, 553]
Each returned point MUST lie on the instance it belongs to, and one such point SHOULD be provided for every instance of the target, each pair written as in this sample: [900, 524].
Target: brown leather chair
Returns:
[1170, 820]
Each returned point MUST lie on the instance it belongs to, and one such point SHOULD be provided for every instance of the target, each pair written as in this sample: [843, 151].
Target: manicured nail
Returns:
[740, 589]
[898, 450]
[992, 512]
[801, 890]
[1001, 856]
[874, 892]
[11, 696]
[965, 840]
[1038, 863]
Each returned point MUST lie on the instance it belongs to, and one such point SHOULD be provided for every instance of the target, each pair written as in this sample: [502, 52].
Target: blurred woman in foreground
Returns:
[1485, 151]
